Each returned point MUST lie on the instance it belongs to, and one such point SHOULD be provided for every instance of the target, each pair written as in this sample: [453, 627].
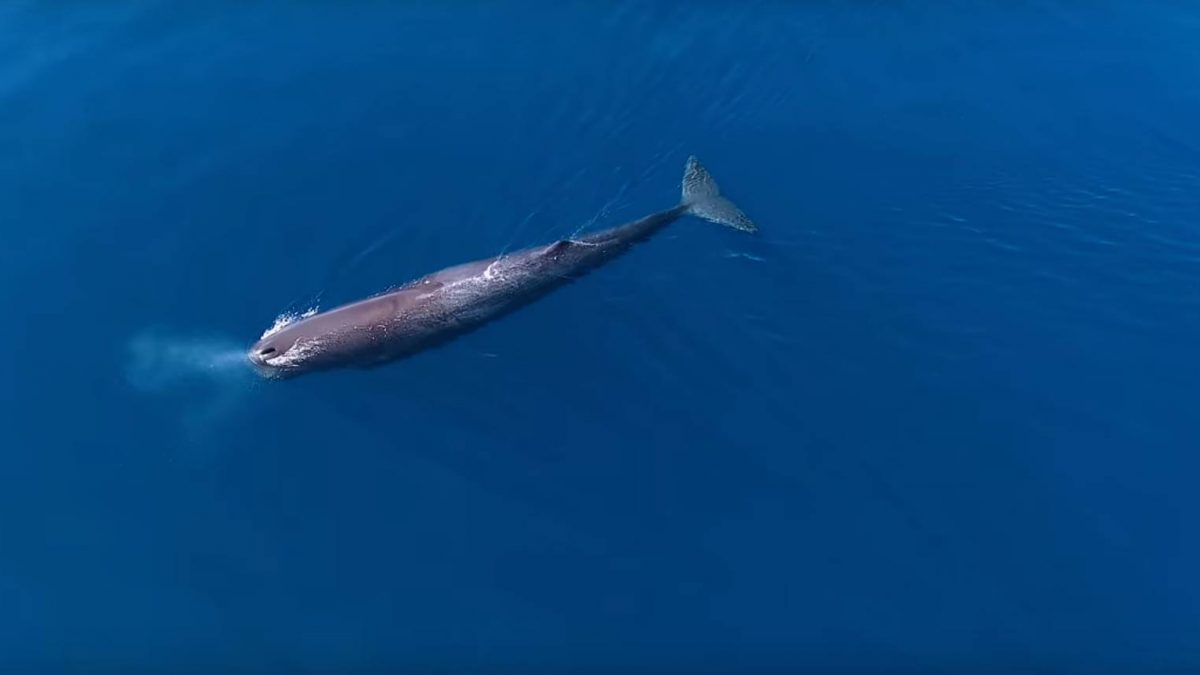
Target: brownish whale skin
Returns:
[453, 301]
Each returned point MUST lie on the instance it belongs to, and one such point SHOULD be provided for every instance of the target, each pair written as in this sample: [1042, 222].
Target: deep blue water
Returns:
[941, 412]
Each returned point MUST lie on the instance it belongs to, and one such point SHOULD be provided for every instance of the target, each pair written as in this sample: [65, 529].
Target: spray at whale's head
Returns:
[204, 375]
[284, 349]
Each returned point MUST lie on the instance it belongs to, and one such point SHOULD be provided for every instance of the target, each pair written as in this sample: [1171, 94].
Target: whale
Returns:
[439, 307]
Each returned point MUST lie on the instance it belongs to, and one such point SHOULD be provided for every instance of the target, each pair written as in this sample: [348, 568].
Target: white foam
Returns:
[286, 319]
[298, 354]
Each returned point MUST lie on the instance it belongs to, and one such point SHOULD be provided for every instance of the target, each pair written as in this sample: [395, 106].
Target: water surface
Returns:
[940, 412]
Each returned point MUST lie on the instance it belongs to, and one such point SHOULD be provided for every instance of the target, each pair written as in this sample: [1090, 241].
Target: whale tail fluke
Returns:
[703, 199]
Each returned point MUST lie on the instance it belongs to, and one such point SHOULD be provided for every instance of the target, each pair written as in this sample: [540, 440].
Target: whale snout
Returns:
[264, 351]
[259, 361]
[284, 355]
[262, 355]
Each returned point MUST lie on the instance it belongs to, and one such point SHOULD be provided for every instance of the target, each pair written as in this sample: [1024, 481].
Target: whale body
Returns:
[440, 306]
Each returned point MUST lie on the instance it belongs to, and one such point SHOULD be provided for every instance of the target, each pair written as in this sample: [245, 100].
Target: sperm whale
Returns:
[438, 307]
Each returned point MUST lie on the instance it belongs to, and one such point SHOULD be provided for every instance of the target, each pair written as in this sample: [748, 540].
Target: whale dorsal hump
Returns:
[557, 247]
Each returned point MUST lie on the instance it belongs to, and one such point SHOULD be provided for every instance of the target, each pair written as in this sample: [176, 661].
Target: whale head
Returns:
[287, 348]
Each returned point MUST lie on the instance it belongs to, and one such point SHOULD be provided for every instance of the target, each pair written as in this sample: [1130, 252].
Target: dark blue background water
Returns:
[940, 412]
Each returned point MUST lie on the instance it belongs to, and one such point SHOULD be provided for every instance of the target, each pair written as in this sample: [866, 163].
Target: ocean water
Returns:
[939, 414]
